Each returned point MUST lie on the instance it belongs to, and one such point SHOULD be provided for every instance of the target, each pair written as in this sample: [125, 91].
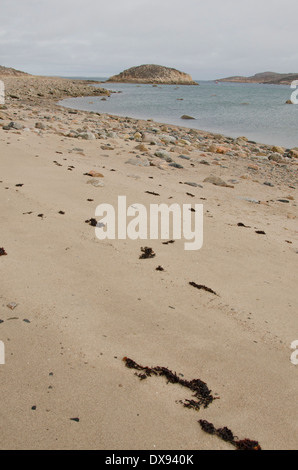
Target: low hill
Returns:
[155, 74]
[7, 71]
[265, 78]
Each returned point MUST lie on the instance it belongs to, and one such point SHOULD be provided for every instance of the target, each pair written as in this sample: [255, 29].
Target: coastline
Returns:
[89, 303]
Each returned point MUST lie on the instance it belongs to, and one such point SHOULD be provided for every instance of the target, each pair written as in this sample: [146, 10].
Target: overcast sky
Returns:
[208, 39]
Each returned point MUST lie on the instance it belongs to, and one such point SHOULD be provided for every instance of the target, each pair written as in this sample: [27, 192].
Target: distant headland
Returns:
[10, 72]
[153, 74]
[271, 78]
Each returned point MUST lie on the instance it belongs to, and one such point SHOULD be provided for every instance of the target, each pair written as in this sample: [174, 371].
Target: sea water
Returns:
[255, 111]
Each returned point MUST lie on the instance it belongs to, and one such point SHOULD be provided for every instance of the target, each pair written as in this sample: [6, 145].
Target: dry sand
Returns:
[91, 302]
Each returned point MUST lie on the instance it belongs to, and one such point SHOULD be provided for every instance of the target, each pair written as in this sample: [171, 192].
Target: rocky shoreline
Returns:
[160, 144]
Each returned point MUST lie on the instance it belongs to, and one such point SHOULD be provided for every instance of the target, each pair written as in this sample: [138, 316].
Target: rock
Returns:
[277, 149]
[194, 185]
[138, 162]
[184, 157]
[112, 135]
[217, 181]
[95, 174]
[249, 199]
[276, 157]
[185, 116]
[87, 135]
[96, 183]
[107, 147]
[176, 165]
[167, 139]
[13, 125]
[289, 102]
[164, 155]
[12, 305]
[218, 149]
[222, 150]
[40, 125]
[212, 148]
[150, 139]
[293, 153]
[142, 148]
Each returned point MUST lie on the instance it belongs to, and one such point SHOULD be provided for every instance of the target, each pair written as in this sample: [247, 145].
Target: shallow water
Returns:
[256, 111]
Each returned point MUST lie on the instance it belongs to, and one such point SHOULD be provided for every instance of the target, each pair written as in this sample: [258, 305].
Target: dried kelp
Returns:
[92, 222]
[2, 252]
[242, 225]
[159, 268]
[228, 436]
[247, 444]
[147, 253]
[201, 287]
[203, 396]
[152, 193]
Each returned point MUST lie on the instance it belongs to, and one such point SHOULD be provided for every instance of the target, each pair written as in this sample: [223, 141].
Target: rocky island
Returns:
[153, 74]
[269, 78]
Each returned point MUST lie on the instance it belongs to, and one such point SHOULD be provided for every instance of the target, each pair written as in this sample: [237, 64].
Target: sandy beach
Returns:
[72, 306]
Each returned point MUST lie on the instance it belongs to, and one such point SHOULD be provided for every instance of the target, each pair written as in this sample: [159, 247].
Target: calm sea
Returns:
[256, 111]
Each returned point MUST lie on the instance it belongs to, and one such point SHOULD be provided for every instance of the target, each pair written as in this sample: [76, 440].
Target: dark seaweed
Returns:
[159, 268]
[227, 435]
[92, 222]
[247, 444]
[2, 252]
[203, 396]
[199, 286]
[147, 253]
[242, 225]
[152, 193]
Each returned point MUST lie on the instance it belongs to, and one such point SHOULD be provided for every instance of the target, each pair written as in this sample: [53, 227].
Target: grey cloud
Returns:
[207, 39]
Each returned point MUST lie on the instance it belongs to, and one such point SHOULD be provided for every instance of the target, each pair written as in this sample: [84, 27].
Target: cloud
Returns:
[208, 40]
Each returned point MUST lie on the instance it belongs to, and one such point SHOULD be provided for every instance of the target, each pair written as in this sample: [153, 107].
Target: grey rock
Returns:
[194, 185]
[276, 157]
[40, 125]
[138, 162]
[249, 199]
[216, 181]
[184, 157]
[176, 165]
[164, 155]
[96, 183]
[185, 116]
[168, 139]
[87, 135]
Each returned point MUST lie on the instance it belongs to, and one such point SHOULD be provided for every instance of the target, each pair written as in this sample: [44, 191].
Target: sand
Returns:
[88, 303]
